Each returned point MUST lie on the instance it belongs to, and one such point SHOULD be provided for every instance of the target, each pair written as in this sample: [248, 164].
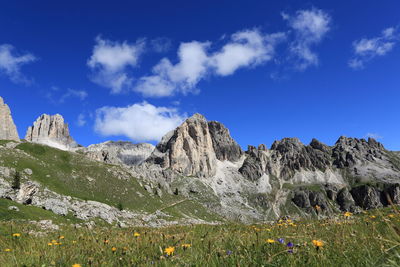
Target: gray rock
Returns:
[187, 150]
[301, 199]
[225, 146]
[367, 197]
[51, 131]
[8, 130]
[123, 153]
[348, 151]
[14, 208]
[392, 194]
[26, 192]
[345, 200]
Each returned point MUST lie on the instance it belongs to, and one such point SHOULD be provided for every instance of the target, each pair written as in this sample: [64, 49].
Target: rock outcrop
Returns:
[120, 152]
[193, 148]
[348, 151]
[8, 130]
[188, 150]
[51, 131]
[224, 145]
[285, 158]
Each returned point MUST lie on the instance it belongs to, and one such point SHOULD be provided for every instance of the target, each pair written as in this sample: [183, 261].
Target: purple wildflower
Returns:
[229, 252]
[290, 245]
[281, 240]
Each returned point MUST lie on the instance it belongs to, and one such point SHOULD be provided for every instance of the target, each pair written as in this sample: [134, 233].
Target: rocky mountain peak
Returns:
[51, 130]
[287, 144]
[194, 147]
[119, 152]
[348, 151]
[8, 130]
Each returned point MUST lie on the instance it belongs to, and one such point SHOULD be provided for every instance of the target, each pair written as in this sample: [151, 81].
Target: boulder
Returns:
[367, 197]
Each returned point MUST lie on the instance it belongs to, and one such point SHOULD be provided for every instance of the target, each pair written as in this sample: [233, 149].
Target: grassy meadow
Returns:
[368, 239]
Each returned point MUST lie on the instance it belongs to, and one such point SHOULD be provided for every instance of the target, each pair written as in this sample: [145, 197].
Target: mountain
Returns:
[50, 130]
[197, 173]
[123, 153]
[8, 130]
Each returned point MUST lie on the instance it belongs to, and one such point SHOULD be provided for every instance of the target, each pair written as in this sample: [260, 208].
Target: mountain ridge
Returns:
[201, 163]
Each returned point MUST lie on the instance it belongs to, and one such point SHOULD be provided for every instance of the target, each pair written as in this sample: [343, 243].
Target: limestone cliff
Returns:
[8, 130]
[51, 131]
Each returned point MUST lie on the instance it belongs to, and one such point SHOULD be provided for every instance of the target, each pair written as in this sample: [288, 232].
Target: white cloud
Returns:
[245, 49]
[367, 49]
[11, 63]
[310, 28]
[80, 94]
[111, 62]
[81, 121]
[139, 122]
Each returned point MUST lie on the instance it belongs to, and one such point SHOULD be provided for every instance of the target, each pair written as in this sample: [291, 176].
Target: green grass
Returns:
[74, 175]
[360, 240]
[31, 213]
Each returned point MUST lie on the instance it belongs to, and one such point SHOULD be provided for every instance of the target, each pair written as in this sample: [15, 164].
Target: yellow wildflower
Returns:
[49, 244]
[113, 249]
[270, 241]
[76, 265]
[62, 237]
[318, 243]
[136, 234]
[391, 215]
[16, 235]
[169, 250]
[347, 214]
[7, 250]
[373, 217]
[73, 241]
[53, 241]
[186, 246]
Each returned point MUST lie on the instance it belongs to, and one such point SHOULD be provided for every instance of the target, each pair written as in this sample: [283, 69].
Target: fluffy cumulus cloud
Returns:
[196, 61]
[367, 49]
[139, 122]
[111, 63]
[310, 27]
[11, 63]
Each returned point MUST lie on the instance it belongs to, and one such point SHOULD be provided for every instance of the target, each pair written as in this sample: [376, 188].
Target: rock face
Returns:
[189, 149]
[120, 152]
[8, 131]
[347, 151]
[224, 146]
[51, 131]
[193, 148]
[285, 158]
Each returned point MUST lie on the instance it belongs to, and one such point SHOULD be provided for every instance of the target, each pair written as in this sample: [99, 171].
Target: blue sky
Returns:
[122, 70]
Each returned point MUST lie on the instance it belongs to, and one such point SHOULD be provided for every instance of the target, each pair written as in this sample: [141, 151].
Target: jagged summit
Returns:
[51, 130]
[8, 130]
[119, 152]
[195, 146]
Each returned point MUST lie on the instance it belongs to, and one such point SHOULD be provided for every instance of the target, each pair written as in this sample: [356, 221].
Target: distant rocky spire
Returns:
[51, 131]
[8, 130]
